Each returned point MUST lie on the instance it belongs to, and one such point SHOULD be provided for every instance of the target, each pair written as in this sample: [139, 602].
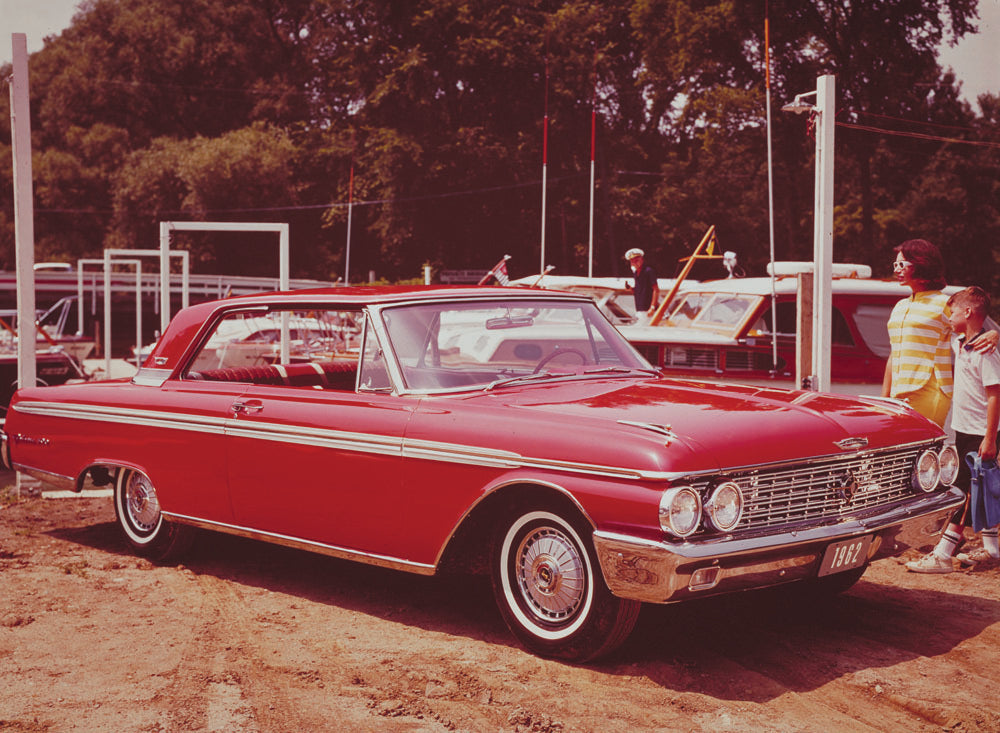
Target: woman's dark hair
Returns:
[928, 265]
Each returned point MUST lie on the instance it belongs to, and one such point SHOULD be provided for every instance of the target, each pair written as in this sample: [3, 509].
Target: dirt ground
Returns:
[252, 637]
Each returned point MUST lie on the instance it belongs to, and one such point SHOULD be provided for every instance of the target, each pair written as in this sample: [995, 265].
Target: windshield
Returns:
[474, 345]
[720, 312]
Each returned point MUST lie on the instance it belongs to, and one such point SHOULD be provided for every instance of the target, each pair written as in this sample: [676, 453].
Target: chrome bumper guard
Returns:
[666, 572]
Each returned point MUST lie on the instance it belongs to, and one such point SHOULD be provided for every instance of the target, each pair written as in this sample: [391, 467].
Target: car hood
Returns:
[728, 425]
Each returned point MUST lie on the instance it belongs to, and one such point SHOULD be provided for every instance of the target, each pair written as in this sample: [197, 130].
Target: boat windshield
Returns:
[471, 345]
[723, 313]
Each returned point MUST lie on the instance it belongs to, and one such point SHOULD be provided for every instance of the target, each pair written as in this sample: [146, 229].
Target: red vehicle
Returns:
[721, 329]
[513, 432]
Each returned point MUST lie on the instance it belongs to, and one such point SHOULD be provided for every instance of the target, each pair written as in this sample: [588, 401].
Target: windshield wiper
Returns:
[525, 378]
[624, 370]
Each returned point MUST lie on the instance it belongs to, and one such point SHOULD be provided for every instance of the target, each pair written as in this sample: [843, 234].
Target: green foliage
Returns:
[147, 110]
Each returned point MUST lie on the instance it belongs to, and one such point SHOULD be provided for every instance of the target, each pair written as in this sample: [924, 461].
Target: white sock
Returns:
[950, 540]
[990, 541]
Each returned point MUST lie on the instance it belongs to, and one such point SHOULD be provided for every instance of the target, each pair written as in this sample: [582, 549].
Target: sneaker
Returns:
[974, 557]
[930, 563]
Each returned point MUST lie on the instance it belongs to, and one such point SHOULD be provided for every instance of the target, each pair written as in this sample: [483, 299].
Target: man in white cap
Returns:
[646, 292]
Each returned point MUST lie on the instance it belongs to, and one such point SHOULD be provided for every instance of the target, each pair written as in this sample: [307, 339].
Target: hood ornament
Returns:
[851, 443]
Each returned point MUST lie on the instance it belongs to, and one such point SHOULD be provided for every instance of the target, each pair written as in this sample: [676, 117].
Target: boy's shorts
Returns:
[964, 444]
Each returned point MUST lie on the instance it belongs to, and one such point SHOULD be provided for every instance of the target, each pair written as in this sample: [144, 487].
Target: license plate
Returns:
[845, 555]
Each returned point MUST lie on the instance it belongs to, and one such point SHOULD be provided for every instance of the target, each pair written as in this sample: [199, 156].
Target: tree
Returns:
[260, 108]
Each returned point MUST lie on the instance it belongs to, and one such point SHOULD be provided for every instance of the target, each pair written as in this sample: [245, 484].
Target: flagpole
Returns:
[350, 209]
[545, 155]
[593, 137]
[770, 189]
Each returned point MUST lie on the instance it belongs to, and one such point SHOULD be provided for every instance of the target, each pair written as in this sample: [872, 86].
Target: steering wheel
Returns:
[559, 352]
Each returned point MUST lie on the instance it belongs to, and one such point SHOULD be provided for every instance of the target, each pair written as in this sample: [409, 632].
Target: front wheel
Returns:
[137, 509]
[548, 586]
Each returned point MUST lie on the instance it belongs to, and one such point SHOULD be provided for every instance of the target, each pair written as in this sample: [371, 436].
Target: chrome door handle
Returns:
[247, 407]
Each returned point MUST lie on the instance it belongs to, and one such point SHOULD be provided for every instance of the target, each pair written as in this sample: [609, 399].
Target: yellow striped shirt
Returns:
[919, 333]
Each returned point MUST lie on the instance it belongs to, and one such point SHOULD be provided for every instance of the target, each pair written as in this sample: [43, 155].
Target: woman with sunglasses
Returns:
[919, 367]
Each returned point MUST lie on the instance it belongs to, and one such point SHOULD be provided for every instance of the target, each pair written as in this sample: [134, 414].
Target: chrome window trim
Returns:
[149, 377]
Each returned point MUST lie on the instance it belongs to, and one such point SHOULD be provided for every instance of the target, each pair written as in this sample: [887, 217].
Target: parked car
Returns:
[722, 330]
[513, 432]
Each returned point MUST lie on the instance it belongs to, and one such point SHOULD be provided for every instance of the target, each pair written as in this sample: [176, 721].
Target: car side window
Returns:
[374, 375]
[304, 348]
[841, 333]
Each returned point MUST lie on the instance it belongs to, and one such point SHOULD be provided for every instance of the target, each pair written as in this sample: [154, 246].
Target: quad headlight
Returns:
[927, 471]
[725, 506]
[680, 511]
[948, 463]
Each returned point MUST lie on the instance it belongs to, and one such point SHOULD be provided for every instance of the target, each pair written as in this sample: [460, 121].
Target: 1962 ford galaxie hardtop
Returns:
[508, 431]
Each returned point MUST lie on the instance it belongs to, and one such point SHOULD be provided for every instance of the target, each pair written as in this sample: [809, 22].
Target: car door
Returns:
[322, 466]
[322, 461]
[186, 442]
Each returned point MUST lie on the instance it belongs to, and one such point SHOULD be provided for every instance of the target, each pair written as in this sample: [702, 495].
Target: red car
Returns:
[513, 432]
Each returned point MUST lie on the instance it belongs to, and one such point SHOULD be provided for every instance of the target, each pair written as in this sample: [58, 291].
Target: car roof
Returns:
[787, 285]
[386, 294]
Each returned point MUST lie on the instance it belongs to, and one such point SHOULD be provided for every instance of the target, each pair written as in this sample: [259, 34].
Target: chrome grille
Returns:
[818, 491]
[680, 356]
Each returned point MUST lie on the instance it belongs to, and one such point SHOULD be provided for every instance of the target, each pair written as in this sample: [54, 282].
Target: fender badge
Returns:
[22, 438]
[851, 443]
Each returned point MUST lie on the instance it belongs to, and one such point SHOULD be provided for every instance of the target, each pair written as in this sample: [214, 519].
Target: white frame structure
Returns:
[107, 303]
[223, 226]
[124, 255]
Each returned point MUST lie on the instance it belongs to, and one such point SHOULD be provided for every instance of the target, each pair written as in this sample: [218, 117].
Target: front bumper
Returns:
[666, 572]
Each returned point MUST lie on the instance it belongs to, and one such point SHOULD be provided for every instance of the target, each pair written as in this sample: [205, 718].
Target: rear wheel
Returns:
[137, 509]
[548, 586]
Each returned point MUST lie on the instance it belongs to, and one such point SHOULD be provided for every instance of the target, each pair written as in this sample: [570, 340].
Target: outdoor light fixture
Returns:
[799, 105]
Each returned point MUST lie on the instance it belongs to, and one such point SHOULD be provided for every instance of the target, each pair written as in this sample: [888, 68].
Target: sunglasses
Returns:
[900, 265]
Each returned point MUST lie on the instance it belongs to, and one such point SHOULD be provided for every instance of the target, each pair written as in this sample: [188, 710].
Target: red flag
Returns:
[499, 272]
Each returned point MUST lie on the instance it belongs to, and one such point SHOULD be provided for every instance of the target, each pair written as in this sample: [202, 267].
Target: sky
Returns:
[976, 60]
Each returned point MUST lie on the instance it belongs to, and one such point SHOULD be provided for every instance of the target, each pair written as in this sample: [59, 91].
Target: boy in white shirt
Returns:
[975, 417]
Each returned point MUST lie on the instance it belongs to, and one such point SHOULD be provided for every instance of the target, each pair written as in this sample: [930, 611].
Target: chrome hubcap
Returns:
[550, 574]
[140, 499]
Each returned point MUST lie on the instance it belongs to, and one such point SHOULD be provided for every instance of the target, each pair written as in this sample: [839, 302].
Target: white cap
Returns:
[634, 252]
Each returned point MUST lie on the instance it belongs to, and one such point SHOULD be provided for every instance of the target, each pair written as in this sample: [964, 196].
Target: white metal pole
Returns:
[347, 256]
[350, 212]
[138, 311]
[545, 176]
[107, 314]
[79, 298]
[770, 199]
[590, 253]
[593, 144]
[823, 241]
[185, 278]
[164, 275]
[24, 212]
[545, 159]
[284, 284]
